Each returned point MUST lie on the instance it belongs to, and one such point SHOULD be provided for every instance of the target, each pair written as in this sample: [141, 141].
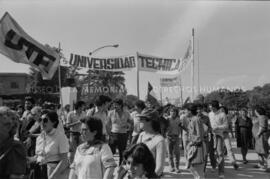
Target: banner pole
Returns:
[59, 76]
[198, 63]
[161, 94]
[181, 91]
[192, 67]
[138, 77]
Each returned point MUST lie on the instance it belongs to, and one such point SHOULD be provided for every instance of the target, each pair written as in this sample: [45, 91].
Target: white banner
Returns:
[109, 63]
[169, 82]
[166, 66]
[22, 48]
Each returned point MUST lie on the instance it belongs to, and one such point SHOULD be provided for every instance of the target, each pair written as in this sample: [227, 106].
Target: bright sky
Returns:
[232, 39]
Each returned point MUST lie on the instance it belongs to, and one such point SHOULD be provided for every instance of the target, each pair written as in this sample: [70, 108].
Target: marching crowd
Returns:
[47, 142]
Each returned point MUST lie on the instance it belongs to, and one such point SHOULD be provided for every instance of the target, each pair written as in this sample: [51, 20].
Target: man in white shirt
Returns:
[139, 107]
[219, 125]
[101, 111]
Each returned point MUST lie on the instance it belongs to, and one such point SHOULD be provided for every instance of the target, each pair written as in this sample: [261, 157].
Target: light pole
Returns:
[115, 46]
[73, 70]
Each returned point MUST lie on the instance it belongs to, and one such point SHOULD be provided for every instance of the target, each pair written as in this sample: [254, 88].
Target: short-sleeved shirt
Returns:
[184, 124]
[91, 162]
[206, 123]
[244, 122]
[102, 115]
[156, 144]
[119, 124]
[14, 160]
[174, 128]
[218, 120]
[72, 117]
[49, 146]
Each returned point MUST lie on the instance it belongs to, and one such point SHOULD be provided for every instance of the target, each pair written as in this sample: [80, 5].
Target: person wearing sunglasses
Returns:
[138, 163]
[51, 149]
[93, 158]
[151, 136]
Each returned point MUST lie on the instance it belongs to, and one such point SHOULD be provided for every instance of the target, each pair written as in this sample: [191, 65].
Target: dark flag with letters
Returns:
[150, 96]
[22, 48]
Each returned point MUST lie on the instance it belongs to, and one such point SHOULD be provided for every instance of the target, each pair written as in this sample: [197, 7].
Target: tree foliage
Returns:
[99, 82]
[259, 95]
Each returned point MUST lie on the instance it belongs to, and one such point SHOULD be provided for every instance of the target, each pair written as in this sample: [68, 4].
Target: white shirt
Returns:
[91, 162]
[72, 117]
[156, 144]
[136, 122]
[49, 146]
[102, 115]
[219, 122]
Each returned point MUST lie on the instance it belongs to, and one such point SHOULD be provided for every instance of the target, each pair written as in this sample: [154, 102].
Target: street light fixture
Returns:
[115, 46]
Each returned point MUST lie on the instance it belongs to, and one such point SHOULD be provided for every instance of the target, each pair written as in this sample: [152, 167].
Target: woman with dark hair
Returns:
[51, 149]
[259, 132]
[196, 148]
[243, 130]
[93, 158]
[151, 136]
[138, 163]
[12, 152]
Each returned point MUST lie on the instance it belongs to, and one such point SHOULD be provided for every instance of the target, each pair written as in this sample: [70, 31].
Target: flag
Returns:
[189, 51]
[18, 46]
[150, 88]
[151, 96]
[185, 61]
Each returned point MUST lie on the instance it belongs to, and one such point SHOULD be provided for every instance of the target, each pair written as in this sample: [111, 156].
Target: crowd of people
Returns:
[48, 142]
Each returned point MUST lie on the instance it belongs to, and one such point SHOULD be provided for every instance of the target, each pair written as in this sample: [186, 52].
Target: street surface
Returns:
[244, 171]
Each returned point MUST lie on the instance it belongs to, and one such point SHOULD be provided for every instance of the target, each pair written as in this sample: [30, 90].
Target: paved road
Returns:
[245, 171]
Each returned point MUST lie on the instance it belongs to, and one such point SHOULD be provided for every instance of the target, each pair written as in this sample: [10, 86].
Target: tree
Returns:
[260, 96]
[232, 99]
[39, 87]
[99, 82]
[37, 81]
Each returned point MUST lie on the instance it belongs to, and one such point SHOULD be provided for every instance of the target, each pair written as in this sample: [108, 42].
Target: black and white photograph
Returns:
[134, 89]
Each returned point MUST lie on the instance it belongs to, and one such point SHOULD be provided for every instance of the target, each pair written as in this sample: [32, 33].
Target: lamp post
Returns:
[74, 69]
[115, 46]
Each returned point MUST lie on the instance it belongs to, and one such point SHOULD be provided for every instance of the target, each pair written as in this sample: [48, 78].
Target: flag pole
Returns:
[59, 76]
[181, 91]
[161, 95]
[138, 77]
[192, 67]
[198, 63]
